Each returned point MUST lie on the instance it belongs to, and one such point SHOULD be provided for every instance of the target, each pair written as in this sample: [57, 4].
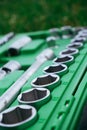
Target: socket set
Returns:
[43, 79]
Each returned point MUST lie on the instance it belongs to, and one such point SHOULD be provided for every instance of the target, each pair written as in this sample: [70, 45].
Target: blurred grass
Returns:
[32, 15]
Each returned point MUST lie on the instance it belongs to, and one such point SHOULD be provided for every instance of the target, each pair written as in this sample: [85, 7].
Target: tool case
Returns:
[54, 95]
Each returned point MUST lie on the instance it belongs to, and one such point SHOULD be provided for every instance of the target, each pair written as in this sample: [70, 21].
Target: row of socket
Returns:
[50, 80]
[25, 115]
[68, 30]
[14, 48]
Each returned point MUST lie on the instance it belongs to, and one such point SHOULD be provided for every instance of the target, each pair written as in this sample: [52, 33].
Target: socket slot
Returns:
[35, 96]
[17, 116]
[70, 51]
[79, 39]
[59, 69]
[64, 59]
[76, 45]
[49, 80]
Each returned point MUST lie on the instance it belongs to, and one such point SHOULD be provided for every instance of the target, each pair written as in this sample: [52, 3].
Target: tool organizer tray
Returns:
[53, 96]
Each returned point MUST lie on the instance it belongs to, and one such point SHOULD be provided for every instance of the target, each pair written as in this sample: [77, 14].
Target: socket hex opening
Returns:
[18, 116]
[35, 96]
[76, 45]
[45, 80]
[78, 39]
[13, 51]
[66, 59]
[70, 51]
[56, 69]
[24, 114]
[49, 80]
[83, 33]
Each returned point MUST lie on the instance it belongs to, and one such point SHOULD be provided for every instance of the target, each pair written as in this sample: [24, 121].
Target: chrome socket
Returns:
[59, 69]
[76, 45]
[64, 59]
[83, 33]
[51, 41]
[55, 32]
[70, 51]
[18, 117]
[11, 66]
[49, 81]
[17, 45]
[78, 29]
[67, 32]
[47, 54]
[79, 39]
[35, 97]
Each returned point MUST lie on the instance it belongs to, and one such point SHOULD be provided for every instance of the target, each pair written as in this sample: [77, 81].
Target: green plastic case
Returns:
[62, 110]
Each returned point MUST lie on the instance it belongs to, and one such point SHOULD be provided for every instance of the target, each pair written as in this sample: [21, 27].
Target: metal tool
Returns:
[76, 45]
[70, 51]
[65, 59]
[17, 45]
[59, 69]
[13, 91]
[78, 38]
[35, 96]
[51, 41]
[6, 38]
[18, 117]
[55, 32]
[67, 32]
[8, 68]
[11, 66]
[78, 29]
[49, 81]
[83, 33]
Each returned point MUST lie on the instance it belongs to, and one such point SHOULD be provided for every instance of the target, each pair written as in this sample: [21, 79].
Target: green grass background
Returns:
[33, 15]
